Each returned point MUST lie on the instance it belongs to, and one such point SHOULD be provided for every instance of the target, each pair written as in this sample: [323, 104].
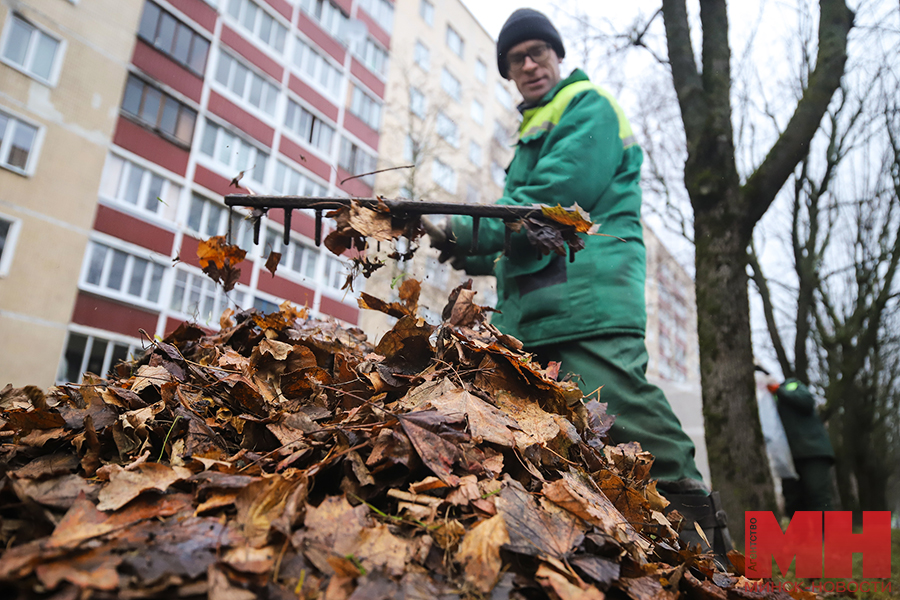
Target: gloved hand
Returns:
[442, 239]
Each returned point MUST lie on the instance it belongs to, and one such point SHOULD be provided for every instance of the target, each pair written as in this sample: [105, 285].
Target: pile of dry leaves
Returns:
[285, 457]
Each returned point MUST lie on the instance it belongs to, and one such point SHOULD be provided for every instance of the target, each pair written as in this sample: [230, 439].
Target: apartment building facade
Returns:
[449, 127]
[283, 96]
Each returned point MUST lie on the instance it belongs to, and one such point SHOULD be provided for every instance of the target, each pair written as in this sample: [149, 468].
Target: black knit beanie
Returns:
[523, 25]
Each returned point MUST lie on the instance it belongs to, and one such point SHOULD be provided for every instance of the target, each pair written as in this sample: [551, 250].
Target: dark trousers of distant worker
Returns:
[812, 489]
[643, 414]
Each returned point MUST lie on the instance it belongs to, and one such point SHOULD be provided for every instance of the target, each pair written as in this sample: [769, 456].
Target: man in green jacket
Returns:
[576, 146]
[810, 448]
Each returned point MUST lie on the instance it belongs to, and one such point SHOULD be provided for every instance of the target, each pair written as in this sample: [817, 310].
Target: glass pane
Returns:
[95, 269]
[154, 193]
[156, 276]
[240, 79]
[166, 34]
[195, 213]
[119, 354]
[256, 90]
[133, 91]
[265, 27]
[312, 257]
[213, 219]
[148, 21]
[207, 302]
[182, 49]
[117, 270]
[17, 41]
[169, 120]
[138, 269]
[199, 50]
[70, 369]
[280, 33]
[244, 153]
[297, 260]
[194, 296]
[22, 142]
[4, 231]
[150, 106]
[98, 353]
[225, 148]
[249, 19]
[234, 8]
[271, 96]
[208, 145]
[4, 121]
[185, 128]
[223, 68]
[42, 63]
[260, 170]
[178, 291]
[133, 187]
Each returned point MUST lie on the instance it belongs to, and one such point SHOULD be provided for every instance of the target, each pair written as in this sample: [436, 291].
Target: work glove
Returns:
[442, 239]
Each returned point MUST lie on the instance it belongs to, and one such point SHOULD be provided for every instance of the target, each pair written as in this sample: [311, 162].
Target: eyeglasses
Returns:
[538, 54]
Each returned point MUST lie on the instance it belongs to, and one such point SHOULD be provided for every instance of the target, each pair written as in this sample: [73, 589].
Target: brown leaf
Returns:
[337, 525]
[259, 504]
[565, 587]
[219, 260]
[46, 466]
[94, 569]
[645, 588]
[125, 486]
[534, 531]
[436, 453]
[479, 553]
[221, 588]
[272, 262]
[381, 550]
[60, 492]
[369, 223]
[251, 560]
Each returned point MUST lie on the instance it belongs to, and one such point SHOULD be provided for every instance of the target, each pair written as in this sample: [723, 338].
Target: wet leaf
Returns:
[479, 553]
[124, 486]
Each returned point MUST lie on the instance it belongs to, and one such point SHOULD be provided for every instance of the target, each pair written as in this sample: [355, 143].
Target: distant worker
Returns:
[576, 146]
[810, 448]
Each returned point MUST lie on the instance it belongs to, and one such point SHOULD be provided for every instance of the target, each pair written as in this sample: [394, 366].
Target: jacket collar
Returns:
[577, 75]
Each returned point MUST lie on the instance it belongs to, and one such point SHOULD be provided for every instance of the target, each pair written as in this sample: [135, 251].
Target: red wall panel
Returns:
[214, 182]
[281, 287]
[320, 37]
[354, 187]
[374, 28]
[239, 117]
[202, 13]
[282, 7]
[365, 133]
[300, 87]
[256, 56]
[300, 222]
[131, 229]
[164, 69]
[361, 72]
[102, 313]
[304, 157]
[135, 138]
[342, 311]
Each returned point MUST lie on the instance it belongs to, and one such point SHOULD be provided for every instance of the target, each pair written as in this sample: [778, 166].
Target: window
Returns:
[308, 127]
[159, 111]
[298, 258]
[30, 49]
[477, 112]
[317, 68]
[207, 218]
[380, 10]
[455, 42]
[329, 16]
[444, 176]
[173, 38]
[366, 108]
[450, 84]
[257, 21]
[498, 174]
[114, 272]
[357, 161]
[126, 182]
[92, 354]
[417, 102]
[197, 297]
[503, 95]
[412, 150]
[480, 70]
[290, 182]
[17, 143]
[336, 272]
[249, 86]
[9, 234]
[426, 11]
[475, 154]
[500, 133]
[233, 153]
[422, 56]
[375, 57]
[447, 129]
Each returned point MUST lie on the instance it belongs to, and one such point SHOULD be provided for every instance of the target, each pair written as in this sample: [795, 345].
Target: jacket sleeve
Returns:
[797, 396]
[579, 160]
[481, 265]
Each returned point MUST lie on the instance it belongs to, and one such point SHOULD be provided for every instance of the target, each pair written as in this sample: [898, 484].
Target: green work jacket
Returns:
[805, 432]
[574, 146]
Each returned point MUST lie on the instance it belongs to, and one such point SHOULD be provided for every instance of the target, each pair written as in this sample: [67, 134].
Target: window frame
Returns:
[503, 96]
[135, 349]
[475, 148]
[171, 190]
[453, 39]
[168, 52]
[6, 145]
[317, 122]
[365, 107]
[133, 253]
[286, 170]
[480, 112]
[233, 166]
[321, 61]
[418, 102]
[156, 127]
[439, 165]
[426, 12]
[243, 237]
[288, 253]
[356, 153]
[58, 54]
[421, 51]
[480, 70]
[243, 98]
[447, 129]
[8, 250]
[219, 296]
[446, 77]
[257, 23]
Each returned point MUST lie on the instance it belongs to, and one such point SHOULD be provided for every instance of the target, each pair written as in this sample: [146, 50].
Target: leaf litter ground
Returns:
[286, 457]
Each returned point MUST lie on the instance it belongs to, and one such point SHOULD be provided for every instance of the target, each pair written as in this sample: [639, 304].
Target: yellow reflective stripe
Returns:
[545, 118]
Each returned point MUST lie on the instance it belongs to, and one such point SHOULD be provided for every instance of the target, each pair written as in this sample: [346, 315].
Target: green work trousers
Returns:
[643, 414]
[812, 491]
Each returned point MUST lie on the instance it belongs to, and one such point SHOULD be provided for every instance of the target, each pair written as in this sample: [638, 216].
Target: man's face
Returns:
[534, 67]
